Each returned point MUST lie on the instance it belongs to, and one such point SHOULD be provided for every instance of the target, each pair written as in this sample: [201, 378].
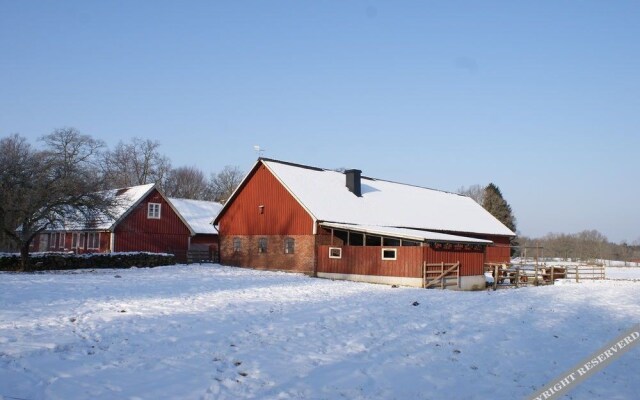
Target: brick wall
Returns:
[275, 258]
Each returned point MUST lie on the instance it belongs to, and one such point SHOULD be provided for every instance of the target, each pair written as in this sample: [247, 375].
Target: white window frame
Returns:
[91, 238]
[395, 253]
[154, 210]
[43, 245]
[54, 239]
[339, 249]
[62, 238]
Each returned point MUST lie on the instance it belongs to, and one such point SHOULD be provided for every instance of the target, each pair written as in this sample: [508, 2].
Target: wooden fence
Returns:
[200, 256]
[537, 274]
[586, 272]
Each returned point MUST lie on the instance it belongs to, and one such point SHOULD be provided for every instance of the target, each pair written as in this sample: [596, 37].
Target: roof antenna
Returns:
[260, 151]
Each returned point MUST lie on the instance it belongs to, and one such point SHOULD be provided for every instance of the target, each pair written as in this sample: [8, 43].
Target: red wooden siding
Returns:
[139, 233]
[500, 252]
[280, 213]
[203, 238]
[471, 262]
[367, 260]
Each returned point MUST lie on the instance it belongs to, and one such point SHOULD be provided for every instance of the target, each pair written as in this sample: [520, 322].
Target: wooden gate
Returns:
[441, 275]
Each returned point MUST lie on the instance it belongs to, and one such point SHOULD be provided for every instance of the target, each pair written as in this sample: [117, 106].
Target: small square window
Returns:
[289, 245]
[153, 210]
[335, 252]
[262, 245]
[389, 254]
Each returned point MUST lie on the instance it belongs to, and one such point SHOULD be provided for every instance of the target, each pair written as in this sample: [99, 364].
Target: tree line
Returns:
[586, 245]
[65, 177]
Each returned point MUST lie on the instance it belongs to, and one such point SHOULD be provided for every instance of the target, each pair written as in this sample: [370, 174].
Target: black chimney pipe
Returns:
[353, 181]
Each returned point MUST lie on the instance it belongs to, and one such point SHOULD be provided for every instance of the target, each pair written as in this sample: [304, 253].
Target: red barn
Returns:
[337, 225]
[144, 220]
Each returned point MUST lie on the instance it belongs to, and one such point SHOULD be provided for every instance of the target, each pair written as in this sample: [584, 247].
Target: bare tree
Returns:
[44, 188]
[136, 163]
[225, 182]
[187, 183]
[476, 192]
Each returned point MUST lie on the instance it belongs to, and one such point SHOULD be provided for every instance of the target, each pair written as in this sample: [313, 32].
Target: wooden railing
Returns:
[540, 274]
[198, 256]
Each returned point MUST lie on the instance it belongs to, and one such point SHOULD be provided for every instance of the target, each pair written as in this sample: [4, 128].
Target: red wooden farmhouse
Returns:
[337, 225]
[144, 220]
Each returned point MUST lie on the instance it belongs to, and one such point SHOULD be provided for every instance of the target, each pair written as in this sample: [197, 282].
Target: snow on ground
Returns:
[212, 332]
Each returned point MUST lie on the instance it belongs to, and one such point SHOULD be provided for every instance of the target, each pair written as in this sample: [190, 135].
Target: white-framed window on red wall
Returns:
[77, 240]
[93, 240]
[153, 210]
[53, 240]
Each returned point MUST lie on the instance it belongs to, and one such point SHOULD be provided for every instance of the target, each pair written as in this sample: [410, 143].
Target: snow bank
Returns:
[212, 332]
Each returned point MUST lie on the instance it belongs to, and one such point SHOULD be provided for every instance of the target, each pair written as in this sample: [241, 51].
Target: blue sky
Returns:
[541, 98]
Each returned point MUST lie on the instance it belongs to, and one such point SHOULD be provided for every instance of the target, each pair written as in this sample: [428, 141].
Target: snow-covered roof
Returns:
[125, 199]
[198, 214]
[323, 193]
[404, 233]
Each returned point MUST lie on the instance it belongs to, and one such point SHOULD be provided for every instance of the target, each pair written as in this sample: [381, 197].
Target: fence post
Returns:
[577, 274]
[553, 275]
[517, 276]
[495, 276]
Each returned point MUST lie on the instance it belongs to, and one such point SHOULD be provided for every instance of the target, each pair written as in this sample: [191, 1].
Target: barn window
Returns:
[391, 242]
[237, 245]
[335, 252]
[153, 210]
[74, 240]
[262, 245]
[373, 241]
[389, 254]
[93, 240]
[289, 245]
[356, 239]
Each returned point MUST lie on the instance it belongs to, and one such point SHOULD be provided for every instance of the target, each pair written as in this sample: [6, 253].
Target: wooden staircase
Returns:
[441, 275]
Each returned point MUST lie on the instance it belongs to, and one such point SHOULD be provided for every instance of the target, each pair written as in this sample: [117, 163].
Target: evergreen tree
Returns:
[493, 202]
[498, 206]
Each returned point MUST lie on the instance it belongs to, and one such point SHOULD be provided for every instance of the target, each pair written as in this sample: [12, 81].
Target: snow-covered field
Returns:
[622, 272]
[212, 332]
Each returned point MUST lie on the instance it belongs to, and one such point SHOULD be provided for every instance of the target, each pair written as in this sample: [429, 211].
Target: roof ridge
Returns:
[292, 164]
